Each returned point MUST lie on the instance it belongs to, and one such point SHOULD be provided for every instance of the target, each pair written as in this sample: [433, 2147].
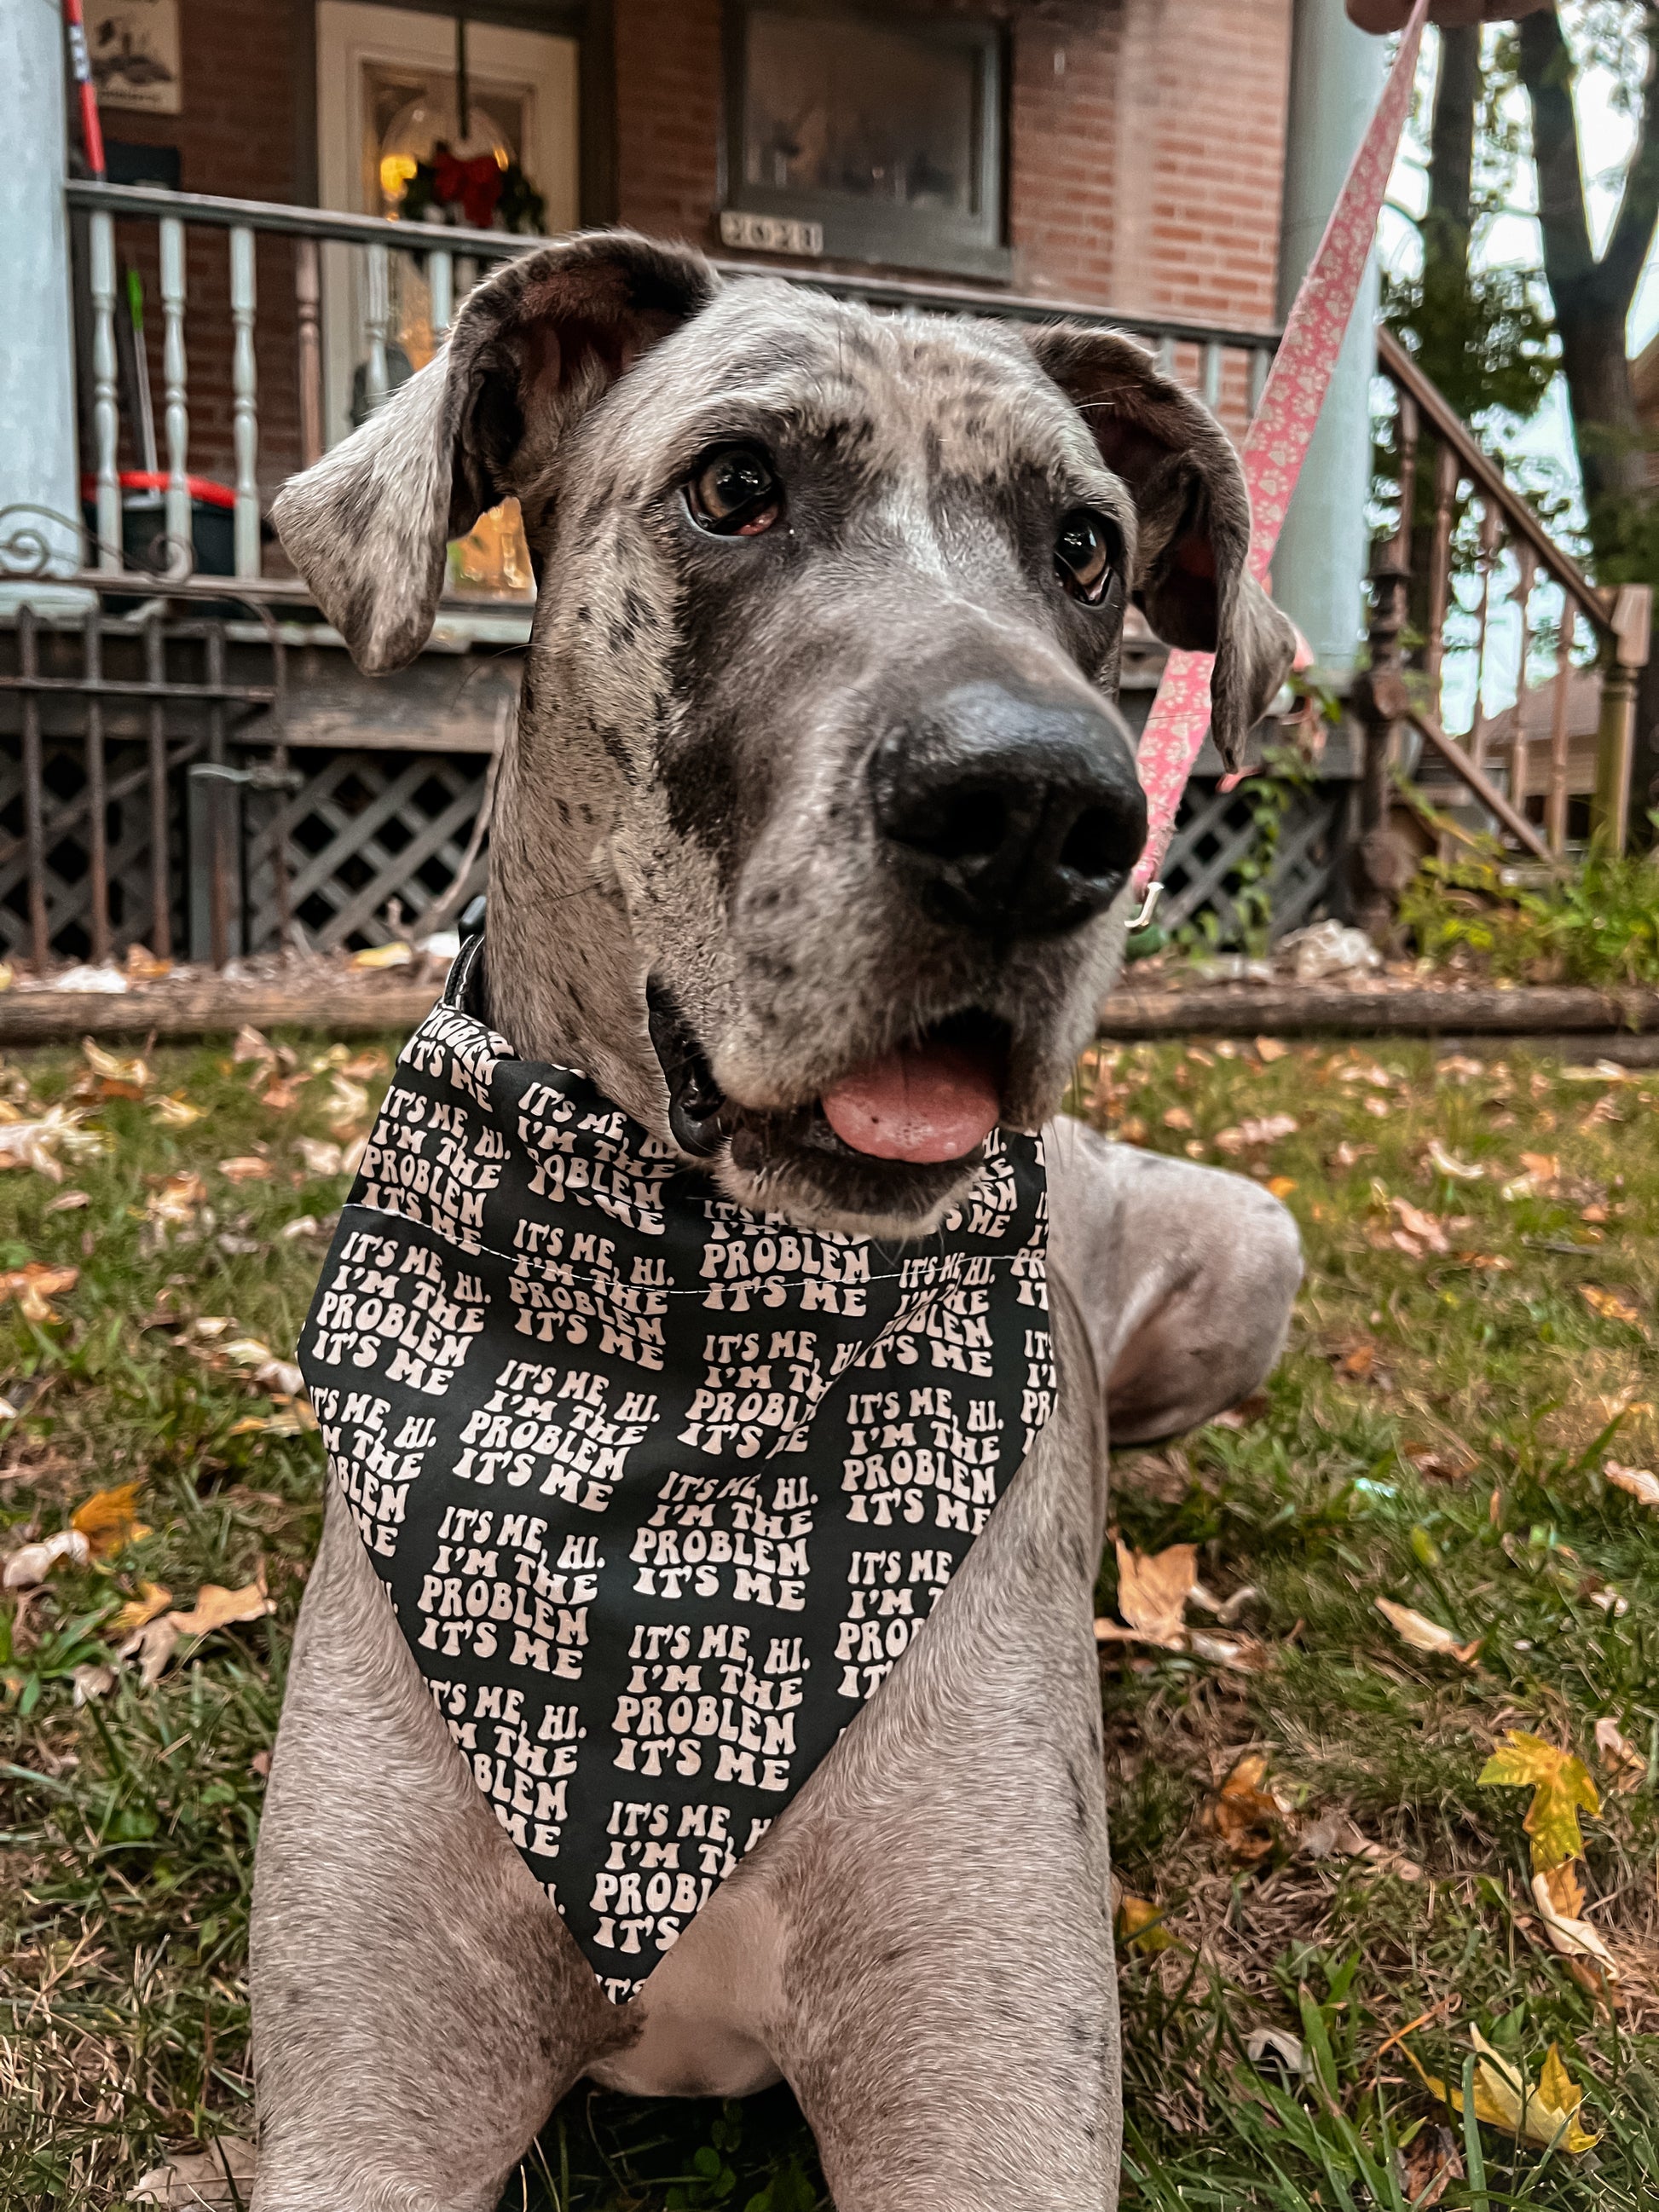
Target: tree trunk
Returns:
[1451, 136]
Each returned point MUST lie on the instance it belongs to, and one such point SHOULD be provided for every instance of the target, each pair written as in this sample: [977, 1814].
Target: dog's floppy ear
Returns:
[531, 350]
[1191, 579]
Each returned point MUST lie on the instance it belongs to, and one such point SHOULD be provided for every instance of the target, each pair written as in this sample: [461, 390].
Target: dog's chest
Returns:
[660, 1490]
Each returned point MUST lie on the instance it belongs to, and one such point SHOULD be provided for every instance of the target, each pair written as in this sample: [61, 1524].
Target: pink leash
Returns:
[1276, 444]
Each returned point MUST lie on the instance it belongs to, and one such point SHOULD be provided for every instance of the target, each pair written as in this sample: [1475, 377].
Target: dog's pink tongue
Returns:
[927, 1102]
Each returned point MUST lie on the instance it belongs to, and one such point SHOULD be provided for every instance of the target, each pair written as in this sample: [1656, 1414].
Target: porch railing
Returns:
[1471, 597]
[1227, 366]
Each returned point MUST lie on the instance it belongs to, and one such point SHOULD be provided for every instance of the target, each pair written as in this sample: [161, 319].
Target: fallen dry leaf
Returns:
[1625, 1764]
[284, 1092]
[1335, 1835]
[1245, 1655]
[1560, 1901]
[1428, 2164]
[37, 1144]
[321, 1158]
[151, 1601]
[1140, 1924]
[175, 1202]
[1561, 1788]
[1151, 1593]
[1448, 1164]
[109, 1519]
[1271, 1048]
[1610, 1305]
[348, 1103]
[1254, 1134]
[252, 1044]
[91, 1682]
[1281, 1186]
[1437, 1464]
[220, 2180]
[1425, 1634]
[1640, 1481]
[35, 1286]
[131, 1075]
[1420, 1231]
[1277, 2044]
[143, 967]
[152, 1645]
[30, 1564]
[67, 1201]
[246, 1168]
[395, 955]
[361, 1064]
[1243, 1815]
[175, 1111]
[217, 1607]
[1177, 1118]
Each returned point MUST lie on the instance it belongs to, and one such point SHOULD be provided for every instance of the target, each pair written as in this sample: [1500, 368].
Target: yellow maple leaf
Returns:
[1545, 2115]
[109, 1519]
[1561, 1787]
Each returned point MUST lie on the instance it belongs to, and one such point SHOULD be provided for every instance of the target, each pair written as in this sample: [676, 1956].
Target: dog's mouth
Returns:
[887, 1136]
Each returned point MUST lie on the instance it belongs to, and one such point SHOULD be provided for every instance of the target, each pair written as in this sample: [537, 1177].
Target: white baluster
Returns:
[466, 275]
[1212, 375]
[105, 407]
[376, 315]
[441, 285]
[1261, 360]
[1166, 357]
[181, 556]
[245, 416]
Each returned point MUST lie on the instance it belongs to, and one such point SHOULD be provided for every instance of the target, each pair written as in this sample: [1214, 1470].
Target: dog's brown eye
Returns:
[735, 493]
[1085, 555]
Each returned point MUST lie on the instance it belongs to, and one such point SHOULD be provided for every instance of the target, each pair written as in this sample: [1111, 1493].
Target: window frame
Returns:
[899, 238]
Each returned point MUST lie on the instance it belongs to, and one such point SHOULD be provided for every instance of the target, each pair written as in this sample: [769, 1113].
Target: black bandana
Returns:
[659, 1488]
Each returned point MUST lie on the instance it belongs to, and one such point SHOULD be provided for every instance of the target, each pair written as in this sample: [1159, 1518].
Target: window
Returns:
[883, 131]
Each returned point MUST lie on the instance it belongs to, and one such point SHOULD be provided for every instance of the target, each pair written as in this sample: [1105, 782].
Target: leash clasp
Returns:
[1148, 906]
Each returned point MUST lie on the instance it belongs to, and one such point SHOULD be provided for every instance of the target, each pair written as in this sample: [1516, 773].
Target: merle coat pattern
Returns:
[706, 892]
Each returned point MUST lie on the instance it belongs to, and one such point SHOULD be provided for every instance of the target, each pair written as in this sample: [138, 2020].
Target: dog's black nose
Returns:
[1013, 813]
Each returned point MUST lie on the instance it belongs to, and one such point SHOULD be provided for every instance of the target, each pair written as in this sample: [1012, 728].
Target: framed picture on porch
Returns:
[885, 131]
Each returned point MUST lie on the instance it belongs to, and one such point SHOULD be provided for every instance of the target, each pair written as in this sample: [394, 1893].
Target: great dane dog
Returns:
[817, 757]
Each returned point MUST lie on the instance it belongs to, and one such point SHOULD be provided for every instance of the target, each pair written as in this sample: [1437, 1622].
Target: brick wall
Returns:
[1146, 141]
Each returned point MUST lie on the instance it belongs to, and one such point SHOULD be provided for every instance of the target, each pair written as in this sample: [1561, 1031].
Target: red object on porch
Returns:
[202, 488]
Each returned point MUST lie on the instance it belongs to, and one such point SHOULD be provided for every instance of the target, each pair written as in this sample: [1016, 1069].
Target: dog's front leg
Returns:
[947, 2015]
[418, 2005]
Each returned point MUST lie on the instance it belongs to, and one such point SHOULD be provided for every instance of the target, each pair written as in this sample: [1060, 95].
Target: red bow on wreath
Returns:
[477, 184]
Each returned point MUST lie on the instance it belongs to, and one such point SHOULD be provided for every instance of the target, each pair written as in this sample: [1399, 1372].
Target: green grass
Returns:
[127, 1825]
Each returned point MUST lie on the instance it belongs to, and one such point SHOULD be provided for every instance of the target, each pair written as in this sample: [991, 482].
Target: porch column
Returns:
[38, 462]
[1337, 74]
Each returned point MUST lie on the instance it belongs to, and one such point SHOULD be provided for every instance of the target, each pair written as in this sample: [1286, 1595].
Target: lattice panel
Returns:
[67, 881]
[1216, 833]
[364, 828]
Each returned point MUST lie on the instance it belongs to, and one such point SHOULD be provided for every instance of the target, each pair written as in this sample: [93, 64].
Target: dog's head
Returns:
[818, 784]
